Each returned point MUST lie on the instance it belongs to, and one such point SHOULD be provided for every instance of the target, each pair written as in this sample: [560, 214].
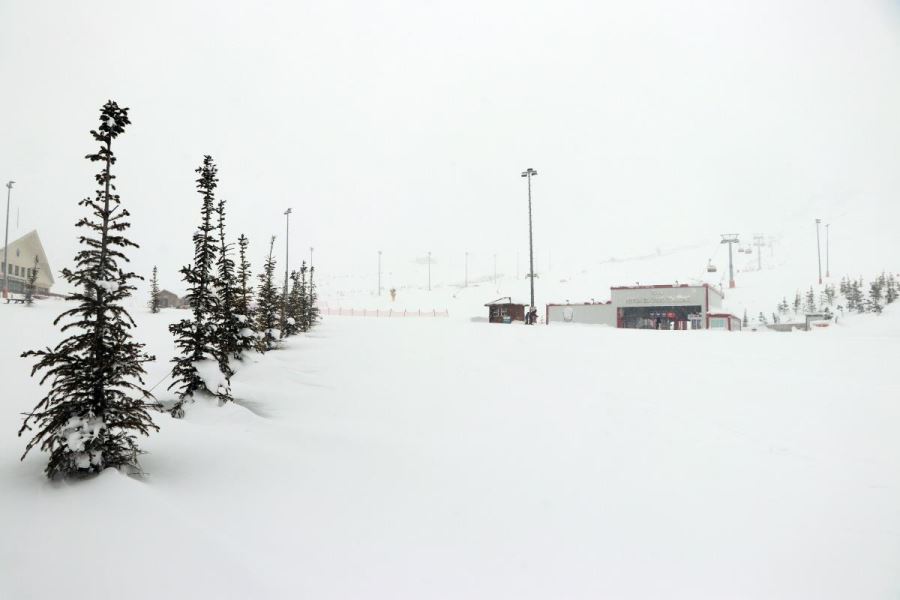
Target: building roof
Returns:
[668, 286]
[503, 300]
[31, 244]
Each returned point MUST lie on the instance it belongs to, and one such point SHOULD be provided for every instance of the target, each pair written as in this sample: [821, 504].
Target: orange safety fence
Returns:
[385, 313]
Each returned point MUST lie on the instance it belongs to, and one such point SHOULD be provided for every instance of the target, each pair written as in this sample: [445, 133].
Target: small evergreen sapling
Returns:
[228, 325]
[243, 306]
[96, 405]
[32, 280]
[154, 292]
[268, 304]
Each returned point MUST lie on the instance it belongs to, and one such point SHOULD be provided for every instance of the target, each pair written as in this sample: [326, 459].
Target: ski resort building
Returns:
[504, 310]
[22, 255]
[677, 307]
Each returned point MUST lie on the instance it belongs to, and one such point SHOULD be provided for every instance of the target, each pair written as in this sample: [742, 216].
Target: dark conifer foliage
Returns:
[303, 307]
[96, 405]
[294, 314]
[228, 326]
[268, 304]
[196, 337]
[243, 304]
[154, 292]
[32, 279]
[312, 309]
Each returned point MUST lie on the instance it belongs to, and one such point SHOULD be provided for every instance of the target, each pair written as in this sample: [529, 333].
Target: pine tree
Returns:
[244, 300]
[783, 307]
[32, 280]
[228, 325]
[797, 303]
[196, 337]
[294, 319]
[875, 297]
[312, 309]
[746, 321]
[96, 405]
[303, 306]
[762, 319]
[810, 305]
[268, 304]
[890, 289]
[154, 292]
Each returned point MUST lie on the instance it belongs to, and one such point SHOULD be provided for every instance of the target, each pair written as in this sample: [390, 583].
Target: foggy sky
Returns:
[403, 126]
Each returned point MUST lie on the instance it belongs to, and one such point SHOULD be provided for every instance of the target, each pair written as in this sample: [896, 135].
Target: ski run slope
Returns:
[443, 458]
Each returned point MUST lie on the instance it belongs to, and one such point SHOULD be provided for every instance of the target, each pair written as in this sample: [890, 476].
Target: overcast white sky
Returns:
[404, 125]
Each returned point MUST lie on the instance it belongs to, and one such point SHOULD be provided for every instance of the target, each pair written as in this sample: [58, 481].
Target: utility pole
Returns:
[466, 280]
[827, 257]
[9, 185]
[529, 173]
[379, 272]
[819, 250]
[759, 242]
[429, 270]
[730, 239]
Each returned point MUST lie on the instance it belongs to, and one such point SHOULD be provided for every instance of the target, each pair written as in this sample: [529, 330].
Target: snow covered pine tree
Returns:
[228, 326]
[154, 292]
[268, 304]
[244, 301]
[196, 337]
[96, 404]
[32, 280]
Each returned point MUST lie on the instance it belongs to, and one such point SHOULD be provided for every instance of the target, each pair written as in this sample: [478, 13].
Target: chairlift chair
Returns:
[710, 268]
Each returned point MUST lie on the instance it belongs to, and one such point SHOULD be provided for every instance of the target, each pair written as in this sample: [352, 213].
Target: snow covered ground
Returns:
[440, 458]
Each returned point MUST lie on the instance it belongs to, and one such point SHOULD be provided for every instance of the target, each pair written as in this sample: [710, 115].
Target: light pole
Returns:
[827, 252]
[730, 239]
[529, 173]
[379, 272]
[466, 280]
[429, 270]
[819, 250]
[9, 186]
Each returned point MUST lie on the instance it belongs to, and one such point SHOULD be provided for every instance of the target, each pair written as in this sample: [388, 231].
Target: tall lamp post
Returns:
[529, 173]
[827, 252]
[819, 250]
[466, 280]
[9, 186]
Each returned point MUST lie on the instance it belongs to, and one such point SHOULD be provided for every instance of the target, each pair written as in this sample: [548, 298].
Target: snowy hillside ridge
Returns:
[359, 444]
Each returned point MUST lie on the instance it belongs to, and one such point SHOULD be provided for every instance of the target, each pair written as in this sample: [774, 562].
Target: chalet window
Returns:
[16, 269]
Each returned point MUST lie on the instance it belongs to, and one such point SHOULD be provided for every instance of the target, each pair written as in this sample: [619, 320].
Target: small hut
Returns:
[504, 310]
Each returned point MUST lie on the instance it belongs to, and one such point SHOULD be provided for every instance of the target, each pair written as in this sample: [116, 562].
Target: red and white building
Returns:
[679, 307]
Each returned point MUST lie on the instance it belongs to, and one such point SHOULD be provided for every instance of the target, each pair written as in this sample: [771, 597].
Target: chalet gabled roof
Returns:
[32, 241]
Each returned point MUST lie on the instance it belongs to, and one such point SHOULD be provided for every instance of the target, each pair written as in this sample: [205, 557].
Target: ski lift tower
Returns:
[759, 242]
[730, 239]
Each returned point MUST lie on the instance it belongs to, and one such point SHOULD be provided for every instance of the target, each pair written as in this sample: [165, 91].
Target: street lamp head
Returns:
[9, 184]
[529, 171]
[818, 221]
[288, 211]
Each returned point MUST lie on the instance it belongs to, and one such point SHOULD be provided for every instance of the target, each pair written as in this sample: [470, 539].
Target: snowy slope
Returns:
[448, 459]
[862, 244]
